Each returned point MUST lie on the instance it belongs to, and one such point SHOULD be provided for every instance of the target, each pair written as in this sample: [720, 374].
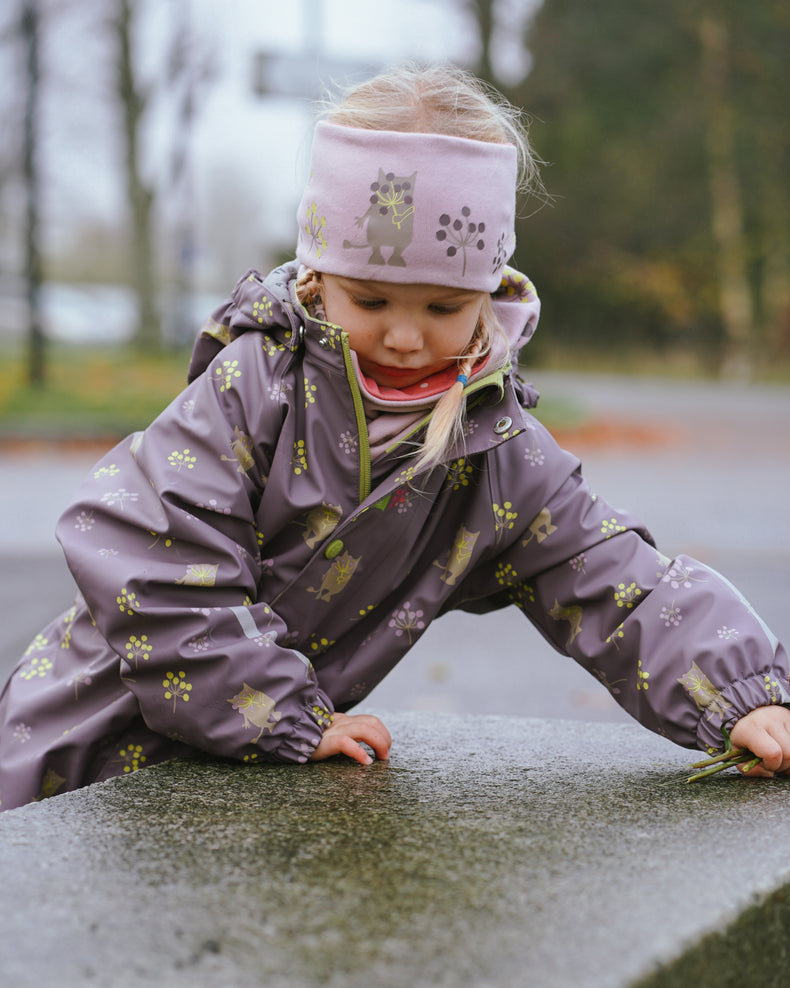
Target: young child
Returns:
[353, 457]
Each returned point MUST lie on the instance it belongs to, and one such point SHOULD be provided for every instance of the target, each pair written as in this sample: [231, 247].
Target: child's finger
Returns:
[763, 746]
[376, 728]
[766, 733]
[770, 752]
[378, 737]
[757, 772]
[368, 728]
[348, 746]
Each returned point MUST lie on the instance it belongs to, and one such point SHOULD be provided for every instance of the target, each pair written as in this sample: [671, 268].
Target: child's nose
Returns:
[403, 336]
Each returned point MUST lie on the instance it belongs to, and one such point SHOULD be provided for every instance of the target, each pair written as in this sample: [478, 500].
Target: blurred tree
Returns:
[664, 129]
[19, 165]
[134, 98]
[186, 69]
[726, 201]
[190, 68]
[72, 65]
[29, 29]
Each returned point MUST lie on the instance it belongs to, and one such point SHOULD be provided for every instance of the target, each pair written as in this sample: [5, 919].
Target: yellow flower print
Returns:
[322, 715]
[37, 667]
[138, 648]
[109, 471]
[315, 228]
[309, 393]
[319, 645]
[299, 459]
[516, 285]
[627, 596]
[617, 633]
[126, 601]
[38, 643]
[610, 527]
[642, 677]
[49, 785]
[505, 574]
[773, 689]
[522, 594]
[131, 757]
[504, 518]
[270, 347]
[225, 374]
[459, 474]
[182, 459]
[165, 540]
[176, 687]
[262, 310]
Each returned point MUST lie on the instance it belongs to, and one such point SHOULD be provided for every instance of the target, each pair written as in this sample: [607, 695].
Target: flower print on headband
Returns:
[461, 234]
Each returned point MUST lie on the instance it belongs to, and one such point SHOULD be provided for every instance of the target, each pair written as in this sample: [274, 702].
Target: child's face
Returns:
[402, 333]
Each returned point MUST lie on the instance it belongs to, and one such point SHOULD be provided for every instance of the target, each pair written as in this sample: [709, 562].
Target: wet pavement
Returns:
[488, 852]
[706, 465]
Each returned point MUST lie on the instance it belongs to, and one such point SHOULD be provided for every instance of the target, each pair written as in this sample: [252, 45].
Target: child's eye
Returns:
[367, 303]
[445, 310]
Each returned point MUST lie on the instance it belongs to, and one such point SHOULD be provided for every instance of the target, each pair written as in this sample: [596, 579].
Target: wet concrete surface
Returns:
[488, 851]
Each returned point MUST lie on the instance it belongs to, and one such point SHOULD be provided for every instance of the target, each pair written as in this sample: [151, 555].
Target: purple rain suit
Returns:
[244, 569]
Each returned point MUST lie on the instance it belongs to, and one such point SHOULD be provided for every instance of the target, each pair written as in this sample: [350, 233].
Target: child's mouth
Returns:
[395, 372]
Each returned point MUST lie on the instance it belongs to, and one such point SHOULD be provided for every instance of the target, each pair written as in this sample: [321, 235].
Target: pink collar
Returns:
[430, 387]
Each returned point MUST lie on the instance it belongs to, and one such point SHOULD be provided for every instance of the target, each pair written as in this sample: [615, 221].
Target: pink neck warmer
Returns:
[408, 208]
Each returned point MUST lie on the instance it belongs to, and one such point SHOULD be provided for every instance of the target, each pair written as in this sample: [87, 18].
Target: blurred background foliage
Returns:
[662, 245]
[666, 136]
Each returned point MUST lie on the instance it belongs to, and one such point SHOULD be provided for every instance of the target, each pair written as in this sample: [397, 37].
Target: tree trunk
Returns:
[141, 197]
[735, 297]
[483, 13]
[33, 272]
[776, 273]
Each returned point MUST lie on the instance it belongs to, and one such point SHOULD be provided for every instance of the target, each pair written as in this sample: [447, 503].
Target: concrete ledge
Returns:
[489, 852]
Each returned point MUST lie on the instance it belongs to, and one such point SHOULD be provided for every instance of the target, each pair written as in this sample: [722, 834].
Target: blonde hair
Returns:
[449, 101]
[441, 99]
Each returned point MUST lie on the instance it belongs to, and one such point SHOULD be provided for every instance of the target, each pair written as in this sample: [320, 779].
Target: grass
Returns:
[88, 391]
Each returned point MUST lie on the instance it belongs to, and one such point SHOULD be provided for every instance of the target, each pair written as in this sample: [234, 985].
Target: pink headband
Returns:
[408, 208]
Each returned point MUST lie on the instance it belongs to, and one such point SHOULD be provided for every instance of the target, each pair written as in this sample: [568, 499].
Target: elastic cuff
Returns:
[728, 705]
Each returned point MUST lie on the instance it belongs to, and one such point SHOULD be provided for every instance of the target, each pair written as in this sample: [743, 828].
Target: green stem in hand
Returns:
[725, 759]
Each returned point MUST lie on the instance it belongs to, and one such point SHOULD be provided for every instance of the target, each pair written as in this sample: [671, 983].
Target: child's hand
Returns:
[343, 735]
[765, 731]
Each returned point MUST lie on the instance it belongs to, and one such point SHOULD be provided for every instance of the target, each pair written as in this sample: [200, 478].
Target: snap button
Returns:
[300, 334]
[334, 548]
[503, 425]
[323, 342]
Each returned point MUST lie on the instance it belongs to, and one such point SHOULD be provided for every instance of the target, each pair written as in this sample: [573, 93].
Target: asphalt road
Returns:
[707, 466]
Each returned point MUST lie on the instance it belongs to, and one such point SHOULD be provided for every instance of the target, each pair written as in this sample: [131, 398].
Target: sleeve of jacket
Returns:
[163, 544]
[674, 642]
